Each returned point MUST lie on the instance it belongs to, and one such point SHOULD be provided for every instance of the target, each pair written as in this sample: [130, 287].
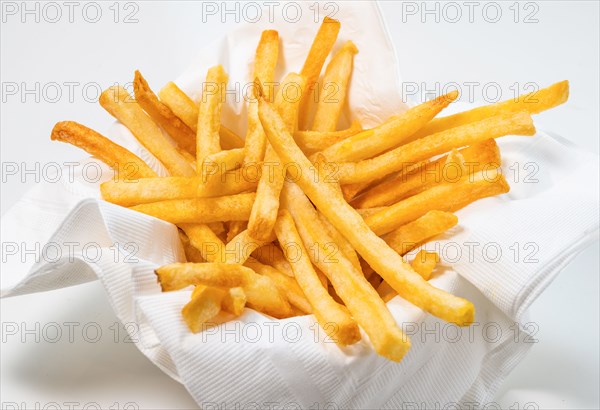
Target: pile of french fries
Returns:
[300, 217]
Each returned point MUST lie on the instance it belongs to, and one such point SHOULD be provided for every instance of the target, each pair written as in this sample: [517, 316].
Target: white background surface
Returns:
[562, 370]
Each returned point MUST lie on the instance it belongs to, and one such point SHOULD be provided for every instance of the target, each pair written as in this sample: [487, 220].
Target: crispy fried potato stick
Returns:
[209, 114]
[272, 255]
[163, 115]
[216, 165]
[390, 134]
[350, 285]
[261, 292]
[265, 61]
[204, 305]
[235, 228]
[200, 210]
[264, 211]
[484, 155]
[206, 241]
[334, 88]
[287, 286]
[117, 101]
[234, 301]
[187, 110]
[239, 249]
[518, 123]
[191, 253]
[311, 142]
[327, 312]
[446, 197]
[126, 164]
[320, 49]
[148, 190]
[340, 242]
[349, 223]
[414, 233]
[424, 263]
[533, 103]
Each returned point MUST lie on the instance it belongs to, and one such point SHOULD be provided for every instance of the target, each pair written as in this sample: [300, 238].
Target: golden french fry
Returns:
[118, 103]
[327, 312]
[311, 70]
[390, 134]
[484, 155]
[272, 255]
[287, 286]
[163, 115]
[349, 223]
[204, 305]
[340, 242]
[533, 103]
[234, 301]
[264, 211]
[334, 88]
[201, 237]
[235, 228]
[414, 233]
[187, 110]
[200, 210]
[445, 197]
[126, 164]
[191, 253]
[265, 61]
[239, 249]
[424, 263]
[261, 292]
[217, 164]
[148, 190]
[314, 141]
[208, 140]
[518, 123]
[350, 285]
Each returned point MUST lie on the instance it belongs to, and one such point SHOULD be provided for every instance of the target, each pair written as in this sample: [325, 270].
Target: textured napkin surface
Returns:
[501, 256]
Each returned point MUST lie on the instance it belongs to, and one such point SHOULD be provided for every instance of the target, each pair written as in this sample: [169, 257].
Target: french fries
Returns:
[303, 218]
[446, 197]
[163, 115]
[518, 123]
[126, 164]
[208, 140]
[200, 210]
[373, 249]
[388, 135]
[327, 312]
[118, 103]
[187, 110]
[261, 292]
[334, 89]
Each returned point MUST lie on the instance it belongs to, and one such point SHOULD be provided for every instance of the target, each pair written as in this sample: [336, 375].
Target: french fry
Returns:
[518, 123]
[350, 285]
[117, 101]
[261, 292]
[148, 190]
[483, 155]
[424, 263]
[264, 211]
[334, 88]
[327, 312]
[349, 223]
[191, 253]
[204, 239]
[311, 142]
[533, 103]
[187, 110]
[414, 233]
[272, 255]
[239, 249]
[209, 115]
[311, 70]
[265, 61]
[126, 164]
[234, 301]
[340, 242]
[163, 115]
[446, 197]
[287, 286]
[204, 305]
[217, 164]
[235, 228]
[200, 210]
[390, 134]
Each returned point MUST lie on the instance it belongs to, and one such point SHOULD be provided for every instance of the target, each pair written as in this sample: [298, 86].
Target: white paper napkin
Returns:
[502, 255]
